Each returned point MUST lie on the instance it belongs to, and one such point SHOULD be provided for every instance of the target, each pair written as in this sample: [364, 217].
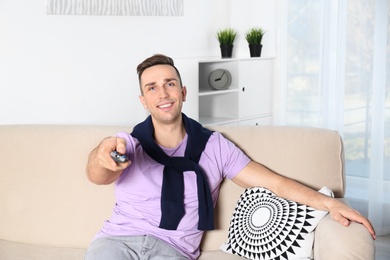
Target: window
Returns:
[336, 75]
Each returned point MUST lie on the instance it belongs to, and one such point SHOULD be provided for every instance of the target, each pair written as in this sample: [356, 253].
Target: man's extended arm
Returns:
[256, 175]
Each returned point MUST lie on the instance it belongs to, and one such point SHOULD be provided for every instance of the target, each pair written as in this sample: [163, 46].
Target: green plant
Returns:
[254, 35]
[226, 36]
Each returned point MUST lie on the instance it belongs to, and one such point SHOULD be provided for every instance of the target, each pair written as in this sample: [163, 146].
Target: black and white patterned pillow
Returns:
[265, 226]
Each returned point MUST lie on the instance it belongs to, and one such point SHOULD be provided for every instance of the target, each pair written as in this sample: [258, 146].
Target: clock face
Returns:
[220, 79]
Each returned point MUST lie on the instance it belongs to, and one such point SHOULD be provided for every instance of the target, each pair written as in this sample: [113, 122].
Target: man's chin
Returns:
[166, 118]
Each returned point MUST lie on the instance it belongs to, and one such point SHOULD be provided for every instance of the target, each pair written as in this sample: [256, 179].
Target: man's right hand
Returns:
[108, 145]
[101, 168]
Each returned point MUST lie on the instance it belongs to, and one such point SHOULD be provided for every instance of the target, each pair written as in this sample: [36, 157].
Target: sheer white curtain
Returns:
[334, 58]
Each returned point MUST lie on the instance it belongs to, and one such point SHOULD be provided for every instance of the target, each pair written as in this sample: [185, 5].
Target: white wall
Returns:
[81, 69]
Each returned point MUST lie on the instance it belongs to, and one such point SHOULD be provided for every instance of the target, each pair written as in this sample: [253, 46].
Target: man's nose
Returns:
[163, 93]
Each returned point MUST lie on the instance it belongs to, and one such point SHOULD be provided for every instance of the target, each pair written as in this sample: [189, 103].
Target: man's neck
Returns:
[169, 135]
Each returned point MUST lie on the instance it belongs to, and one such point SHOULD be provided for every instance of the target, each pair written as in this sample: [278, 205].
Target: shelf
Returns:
[216, 92]
[248, 100]
[258, 120]
[217, 120]
[219, 59]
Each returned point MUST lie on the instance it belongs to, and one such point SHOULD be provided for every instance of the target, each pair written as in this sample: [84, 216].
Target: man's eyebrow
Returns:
[165, 81]
[150, 84]
[170, 79]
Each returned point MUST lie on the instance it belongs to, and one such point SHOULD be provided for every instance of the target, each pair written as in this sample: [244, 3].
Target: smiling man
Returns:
[163, 96]
[166, 192]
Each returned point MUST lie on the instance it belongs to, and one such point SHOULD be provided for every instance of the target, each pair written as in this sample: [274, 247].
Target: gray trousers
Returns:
[132, 247]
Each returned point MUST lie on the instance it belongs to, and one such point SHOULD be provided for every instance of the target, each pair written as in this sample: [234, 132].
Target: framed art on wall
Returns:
[116, 7]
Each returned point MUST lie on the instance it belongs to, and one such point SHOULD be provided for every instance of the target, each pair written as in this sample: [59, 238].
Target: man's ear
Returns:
[142, 100]
[184, 93]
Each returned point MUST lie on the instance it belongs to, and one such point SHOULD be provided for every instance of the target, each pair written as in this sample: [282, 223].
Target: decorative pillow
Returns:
[264, 226]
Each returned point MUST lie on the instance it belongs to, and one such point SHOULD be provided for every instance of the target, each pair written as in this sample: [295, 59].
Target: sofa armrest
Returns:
[334, 241]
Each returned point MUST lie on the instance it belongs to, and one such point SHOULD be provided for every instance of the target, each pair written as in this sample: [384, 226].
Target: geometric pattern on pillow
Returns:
[265, 226]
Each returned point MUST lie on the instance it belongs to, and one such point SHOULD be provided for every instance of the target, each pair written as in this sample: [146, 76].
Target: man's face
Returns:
[162, 95]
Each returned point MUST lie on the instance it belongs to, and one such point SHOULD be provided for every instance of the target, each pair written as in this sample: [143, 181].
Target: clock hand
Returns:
[220, 77]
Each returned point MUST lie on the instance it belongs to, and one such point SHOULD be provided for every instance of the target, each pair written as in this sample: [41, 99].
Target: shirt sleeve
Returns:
[229, 158]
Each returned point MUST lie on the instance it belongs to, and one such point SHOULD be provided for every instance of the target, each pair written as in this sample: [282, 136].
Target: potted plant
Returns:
[226, 38]
[254, 37]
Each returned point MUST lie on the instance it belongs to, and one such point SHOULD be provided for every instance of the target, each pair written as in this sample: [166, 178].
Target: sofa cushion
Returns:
[265, 226]
[10, 250]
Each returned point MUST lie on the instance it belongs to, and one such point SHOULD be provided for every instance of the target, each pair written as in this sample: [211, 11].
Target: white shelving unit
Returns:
[247, 101]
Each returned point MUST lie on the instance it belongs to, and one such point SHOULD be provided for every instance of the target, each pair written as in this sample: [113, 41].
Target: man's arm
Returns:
[101, 168]
[256, 175]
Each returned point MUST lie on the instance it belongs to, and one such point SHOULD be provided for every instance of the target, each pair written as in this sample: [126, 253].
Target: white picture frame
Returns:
[116, 7]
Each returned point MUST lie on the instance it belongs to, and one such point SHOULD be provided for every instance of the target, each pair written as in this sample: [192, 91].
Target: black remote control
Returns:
[120, 158]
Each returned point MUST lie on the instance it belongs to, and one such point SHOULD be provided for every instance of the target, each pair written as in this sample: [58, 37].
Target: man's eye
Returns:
[171, 84]
[151, 88]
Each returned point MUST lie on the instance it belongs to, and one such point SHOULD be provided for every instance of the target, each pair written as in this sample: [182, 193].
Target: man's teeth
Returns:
[165, 105]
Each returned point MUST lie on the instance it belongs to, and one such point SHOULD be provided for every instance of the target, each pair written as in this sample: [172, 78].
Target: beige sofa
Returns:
[49, 210]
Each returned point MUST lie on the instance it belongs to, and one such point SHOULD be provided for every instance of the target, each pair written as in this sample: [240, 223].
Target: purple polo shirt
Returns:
[138, 192]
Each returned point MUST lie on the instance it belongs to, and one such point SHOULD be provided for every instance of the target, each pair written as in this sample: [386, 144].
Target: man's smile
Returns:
[165, 105]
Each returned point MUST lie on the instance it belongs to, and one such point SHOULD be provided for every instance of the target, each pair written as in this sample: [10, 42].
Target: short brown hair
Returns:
[157, 59]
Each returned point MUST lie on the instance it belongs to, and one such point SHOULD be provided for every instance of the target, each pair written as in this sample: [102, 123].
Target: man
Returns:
[166, 192]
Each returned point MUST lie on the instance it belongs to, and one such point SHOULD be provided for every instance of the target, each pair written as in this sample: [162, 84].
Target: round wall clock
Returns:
[220, 79]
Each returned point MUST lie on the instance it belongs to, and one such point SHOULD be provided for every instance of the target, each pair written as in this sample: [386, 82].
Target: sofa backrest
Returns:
[312, 156]
[45, 197]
